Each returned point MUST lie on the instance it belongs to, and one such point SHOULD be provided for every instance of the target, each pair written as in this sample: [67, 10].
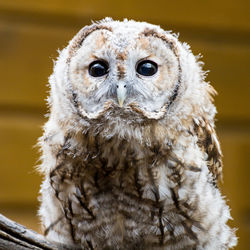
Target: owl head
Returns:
[131, 71]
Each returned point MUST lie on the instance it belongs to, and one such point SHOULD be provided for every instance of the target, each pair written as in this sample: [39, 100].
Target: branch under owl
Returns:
[16, 236]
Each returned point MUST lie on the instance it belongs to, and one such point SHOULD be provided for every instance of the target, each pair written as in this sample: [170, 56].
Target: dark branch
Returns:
[18, 237]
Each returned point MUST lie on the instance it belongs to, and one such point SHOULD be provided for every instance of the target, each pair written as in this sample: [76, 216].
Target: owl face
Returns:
[132, 67]
[132, 70]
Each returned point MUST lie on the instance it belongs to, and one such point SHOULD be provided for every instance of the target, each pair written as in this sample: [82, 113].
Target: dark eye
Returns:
[98, 68]
[147, 68]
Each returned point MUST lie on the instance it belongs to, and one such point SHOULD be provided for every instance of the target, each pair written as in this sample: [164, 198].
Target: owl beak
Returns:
[121, 93]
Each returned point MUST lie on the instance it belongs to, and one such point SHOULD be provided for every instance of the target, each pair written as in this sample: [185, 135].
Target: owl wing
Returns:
[208, 142]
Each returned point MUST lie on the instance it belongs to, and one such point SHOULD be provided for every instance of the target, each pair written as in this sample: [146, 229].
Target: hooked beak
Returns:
[121, 93]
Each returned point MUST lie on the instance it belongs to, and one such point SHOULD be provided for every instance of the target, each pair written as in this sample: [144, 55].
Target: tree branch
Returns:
[18, 237]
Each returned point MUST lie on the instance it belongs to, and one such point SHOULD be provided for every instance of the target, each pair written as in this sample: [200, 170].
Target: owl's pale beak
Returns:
[121, 93]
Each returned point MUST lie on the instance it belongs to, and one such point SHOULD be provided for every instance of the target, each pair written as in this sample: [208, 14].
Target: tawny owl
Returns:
[129, 153]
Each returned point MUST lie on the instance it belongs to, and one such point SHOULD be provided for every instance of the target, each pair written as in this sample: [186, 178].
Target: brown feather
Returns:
[208, 142]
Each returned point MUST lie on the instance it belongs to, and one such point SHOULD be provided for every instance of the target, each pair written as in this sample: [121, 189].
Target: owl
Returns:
[130, 156]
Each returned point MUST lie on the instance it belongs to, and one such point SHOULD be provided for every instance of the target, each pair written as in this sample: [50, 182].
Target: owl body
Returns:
[129, 153]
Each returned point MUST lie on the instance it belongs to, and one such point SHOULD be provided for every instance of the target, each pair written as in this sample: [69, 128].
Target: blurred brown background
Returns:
[32, 31]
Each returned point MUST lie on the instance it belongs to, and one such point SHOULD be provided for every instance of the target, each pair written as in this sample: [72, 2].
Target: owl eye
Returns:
[98, 68]
[147, 68]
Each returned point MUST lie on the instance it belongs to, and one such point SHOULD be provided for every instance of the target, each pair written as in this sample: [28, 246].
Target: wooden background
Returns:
[32, 31]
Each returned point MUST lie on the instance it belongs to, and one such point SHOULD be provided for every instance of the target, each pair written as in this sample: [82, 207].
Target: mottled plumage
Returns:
[129, 153]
